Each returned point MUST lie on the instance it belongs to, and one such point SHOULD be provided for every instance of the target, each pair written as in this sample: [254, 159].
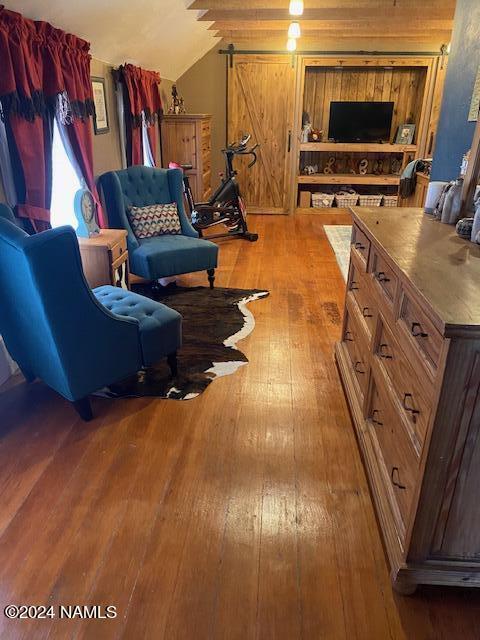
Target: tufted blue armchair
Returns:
[160, 256]
[57, 329]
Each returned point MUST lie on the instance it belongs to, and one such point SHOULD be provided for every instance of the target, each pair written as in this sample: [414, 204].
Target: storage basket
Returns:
[370, 201]
[344, 200]
[390, 201]
[320, 200]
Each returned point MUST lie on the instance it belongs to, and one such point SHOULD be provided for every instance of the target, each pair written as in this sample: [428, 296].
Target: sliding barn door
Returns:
[261, 102]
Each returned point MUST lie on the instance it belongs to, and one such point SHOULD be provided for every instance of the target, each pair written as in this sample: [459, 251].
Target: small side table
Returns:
[105, 258]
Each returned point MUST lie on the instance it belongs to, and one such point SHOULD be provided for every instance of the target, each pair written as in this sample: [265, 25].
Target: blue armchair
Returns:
[160, 256]
[57, 329]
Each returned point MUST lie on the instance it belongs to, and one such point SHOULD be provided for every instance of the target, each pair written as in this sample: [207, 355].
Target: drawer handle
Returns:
[408, 406]
[374, 420]
[356, 367]
[383, 352]
[395, 476]
[360, 246]
[348, 337]
[365, 313]
[352, 287]
[417, 331]
[381, 276]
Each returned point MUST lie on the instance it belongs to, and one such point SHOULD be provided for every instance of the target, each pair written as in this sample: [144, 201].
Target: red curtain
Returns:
[142, 104]
[44, 72]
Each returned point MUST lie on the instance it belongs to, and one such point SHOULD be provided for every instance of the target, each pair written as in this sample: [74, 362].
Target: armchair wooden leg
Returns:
[84, 409]
[211, 277]
[173, 363]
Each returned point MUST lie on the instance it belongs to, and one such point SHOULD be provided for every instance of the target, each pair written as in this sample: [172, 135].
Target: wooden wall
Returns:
[402, 85]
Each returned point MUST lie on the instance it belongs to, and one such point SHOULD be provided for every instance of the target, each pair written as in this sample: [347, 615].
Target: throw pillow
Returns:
[154, 220]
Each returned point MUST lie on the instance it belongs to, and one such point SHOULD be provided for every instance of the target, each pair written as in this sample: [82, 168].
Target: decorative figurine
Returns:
[315, 135]
[177, 105]
[363, 167]
[330, 166]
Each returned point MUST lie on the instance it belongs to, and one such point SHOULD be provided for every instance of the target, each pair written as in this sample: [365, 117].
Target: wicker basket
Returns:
[370, 201]
[321, 200]
[390, 201]
[346, 200]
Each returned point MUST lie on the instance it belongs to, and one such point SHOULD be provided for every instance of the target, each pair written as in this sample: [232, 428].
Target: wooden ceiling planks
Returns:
[268, 20]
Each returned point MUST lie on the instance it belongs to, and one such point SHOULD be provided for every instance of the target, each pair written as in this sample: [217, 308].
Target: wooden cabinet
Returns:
[418, 197]
[186, 139]
[409, 360]
[105, 258]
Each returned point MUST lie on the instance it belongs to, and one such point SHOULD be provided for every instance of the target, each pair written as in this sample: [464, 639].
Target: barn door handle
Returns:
[289, 141]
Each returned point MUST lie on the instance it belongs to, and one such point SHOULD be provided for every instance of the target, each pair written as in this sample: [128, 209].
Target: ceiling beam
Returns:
[340, 25]
[428, 6]
[394, 13]
[420, 36]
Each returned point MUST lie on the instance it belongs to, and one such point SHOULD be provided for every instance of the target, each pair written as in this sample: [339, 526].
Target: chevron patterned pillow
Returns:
[154, 220]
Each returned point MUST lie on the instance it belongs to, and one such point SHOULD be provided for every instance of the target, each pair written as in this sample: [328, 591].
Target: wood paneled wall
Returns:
[403, 86]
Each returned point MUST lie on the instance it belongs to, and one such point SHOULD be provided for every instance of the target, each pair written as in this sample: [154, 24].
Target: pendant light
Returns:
[291, 44]
[296, 7]
[294, 30]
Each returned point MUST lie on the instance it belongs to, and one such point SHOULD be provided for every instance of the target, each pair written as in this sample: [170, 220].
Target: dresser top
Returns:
[443, 268]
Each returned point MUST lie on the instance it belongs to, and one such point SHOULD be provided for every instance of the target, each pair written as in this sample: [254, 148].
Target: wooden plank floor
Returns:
[243, 514]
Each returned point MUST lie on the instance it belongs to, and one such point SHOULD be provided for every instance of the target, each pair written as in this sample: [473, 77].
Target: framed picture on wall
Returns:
[100, 120]
[405, 134]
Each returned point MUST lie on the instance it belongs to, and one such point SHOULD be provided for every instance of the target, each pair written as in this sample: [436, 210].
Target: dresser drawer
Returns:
[414, 401]
[358, 285]
[360, 245]
[384, 276]
[420, 331]
[357, 351]
[400, 461]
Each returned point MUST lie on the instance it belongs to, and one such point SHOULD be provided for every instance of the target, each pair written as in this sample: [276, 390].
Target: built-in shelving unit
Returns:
[349, 178]
[412, 83]
[358, 147]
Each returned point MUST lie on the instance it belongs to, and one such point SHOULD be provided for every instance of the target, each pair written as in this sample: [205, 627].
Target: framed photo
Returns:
[405, 134]
[100, 121]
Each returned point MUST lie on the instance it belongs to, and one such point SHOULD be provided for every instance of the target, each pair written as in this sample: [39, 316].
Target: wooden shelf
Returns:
[357, 147]
[348, 178]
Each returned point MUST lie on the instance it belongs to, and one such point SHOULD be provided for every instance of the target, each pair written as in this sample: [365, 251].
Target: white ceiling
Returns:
[154, 34]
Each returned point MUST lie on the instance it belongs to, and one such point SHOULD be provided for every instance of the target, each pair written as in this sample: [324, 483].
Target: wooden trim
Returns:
[472, 177]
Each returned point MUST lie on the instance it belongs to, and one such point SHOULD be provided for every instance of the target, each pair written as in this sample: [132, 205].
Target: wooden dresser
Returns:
[409, 361]
[186, 139]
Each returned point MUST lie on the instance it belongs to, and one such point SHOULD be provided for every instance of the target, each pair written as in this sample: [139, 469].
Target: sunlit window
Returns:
[65, 184]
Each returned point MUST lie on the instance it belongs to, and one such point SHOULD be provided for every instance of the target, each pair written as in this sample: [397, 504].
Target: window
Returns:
[65, 184]
[148, 160]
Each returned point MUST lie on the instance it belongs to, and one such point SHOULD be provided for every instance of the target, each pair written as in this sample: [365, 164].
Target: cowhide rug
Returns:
[214, 321]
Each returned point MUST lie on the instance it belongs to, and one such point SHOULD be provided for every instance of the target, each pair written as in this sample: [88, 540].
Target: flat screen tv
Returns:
[360, 121]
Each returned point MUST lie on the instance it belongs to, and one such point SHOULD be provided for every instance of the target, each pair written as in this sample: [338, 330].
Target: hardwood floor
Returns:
[243, 514]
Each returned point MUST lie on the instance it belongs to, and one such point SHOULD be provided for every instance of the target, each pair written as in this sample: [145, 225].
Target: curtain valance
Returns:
[43, 69]
[143, 94]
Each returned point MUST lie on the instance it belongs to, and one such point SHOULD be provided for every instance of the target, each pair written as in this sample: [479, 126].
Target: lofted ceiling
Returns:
[155, 34]
[332, 24]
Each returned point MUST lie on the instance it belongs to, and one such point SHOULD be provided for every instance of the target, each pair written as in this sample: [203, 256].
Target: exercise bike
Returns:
[226, 206]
